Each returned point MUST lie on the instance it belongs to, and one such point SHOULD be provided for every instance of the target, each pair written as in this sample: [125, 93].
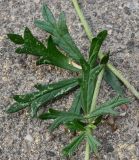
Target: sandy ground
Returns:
[23, 138]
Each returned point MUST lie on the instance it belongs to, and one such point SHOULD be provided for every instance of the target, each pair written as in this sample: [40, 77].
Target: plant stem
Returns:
[83, 20]
[87, 151]
[109, 65]
[96, 91]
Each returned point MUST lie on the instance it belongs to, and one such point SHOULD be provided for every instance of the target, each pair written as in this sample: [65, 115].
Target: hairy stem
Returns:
[87, 151]
[96, 91]
[83, 20]
[110, 66]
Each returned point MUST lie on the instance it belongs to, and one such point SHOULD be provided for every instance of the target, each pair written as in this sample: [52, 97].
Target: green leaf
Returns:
[71, 148]
[60, 33]
[26, 98]
[93, 143]
[76, 125]
[92, 83]
[98, 120]
[76, 104]
[56, 85]
[97, 45]
[105, 59]
[47, 96]
[88, 84]
[16, 107]
[31, 45]
[84, 86]
[56, 58]
[65, 118]
[51, 114]
[50, 92]
[93, 43]
[17, 39]
[49, 55]
[113, 81]
[62, 23]
[107, 107]
[47, 15]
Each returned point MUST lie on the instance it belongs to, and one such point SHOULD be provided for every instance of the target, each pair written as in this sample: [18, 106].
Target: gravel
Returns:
[23, 138]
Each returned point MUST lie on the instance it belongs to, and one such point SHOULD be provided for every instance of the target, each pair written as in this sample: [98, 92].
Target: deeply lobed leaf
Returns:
[60, 33]
[108, 107]
[49, 55]
[37, 99]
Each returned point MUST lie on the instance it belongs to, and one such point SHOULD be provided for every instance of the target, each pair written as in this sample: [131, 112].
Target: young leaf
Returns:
[107, 107]
[60, 33]
[97, 44]
[70, 148]
[17, 39]
[113, 81]
[76, 104]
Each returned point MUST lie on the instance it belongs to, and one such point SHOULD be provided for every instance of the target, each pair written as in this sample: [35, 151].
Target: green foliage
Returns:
[108, 107]
[49, 55]
[95, 46]
[17, 39]
[93, 143]
[105, 59]
[35, 100]
[61, 51]
[113, 81]
[70, 148]
[88, 84]
[66, 117]
[76, 104]
[60, 33]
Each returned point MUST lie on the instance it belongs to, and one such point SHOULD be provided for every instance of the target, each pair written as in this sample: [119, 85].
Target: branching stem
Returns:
[109, 65]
